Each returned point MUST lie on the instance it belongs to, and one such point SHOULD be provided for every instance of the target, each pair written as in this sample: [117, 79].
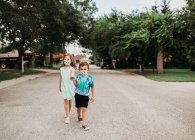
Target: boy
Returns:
[83, 82]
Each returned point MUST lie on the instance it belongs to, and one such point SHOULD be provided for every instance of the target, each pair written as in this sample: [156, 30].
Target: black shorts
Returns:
[81, 101]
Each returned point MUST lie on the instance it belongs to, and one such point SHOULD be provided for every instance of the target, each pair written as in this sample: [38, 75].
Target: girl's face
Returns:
[84, 70]
[67, 60]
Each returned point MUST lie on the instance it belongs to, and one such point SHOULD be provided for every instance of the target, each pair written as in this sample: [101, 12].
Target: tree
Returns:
[148, 36]
[61, 24]
[162, 35]
[64, 22]
[19, 24]
[161, 31]
[186, 31]
[48, 24]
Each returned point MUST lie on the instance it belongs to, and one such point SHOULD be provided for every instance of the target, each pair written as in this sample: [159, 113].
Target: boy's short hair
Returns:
[84, 64]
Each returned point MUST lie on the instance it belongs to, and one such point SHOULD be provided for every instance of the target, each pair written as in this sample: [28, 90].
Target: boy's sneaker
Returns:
[80, 120]
[85, 127]
[67, 120]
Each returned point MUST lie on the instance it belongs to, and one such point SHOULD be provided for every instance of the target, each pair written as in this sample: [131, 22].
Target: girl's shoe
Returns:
[67, 120]
[80, 120]
[85, 127]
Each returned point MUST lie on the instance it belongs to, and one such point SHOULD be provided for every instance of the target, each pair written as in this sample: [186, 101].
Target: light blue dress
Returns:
[67, 85]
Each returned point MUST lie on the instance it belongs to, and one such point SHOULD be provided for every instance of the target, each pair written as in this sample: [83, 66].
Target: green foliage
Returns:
[185, 31]
[39, 61]
[191, 57]
[43, 25]
[162, 29]
[136, 37]
[19, 23]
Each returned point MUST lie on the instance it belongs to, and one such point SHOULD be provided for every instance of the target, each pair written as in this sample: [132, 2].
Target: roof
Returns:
[78, 57]
[85, 59]
[13, 53]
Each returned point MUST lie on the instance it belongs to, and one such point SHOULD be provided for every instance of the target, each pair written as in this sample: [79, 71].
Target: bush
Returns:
[191, 58]
[39, 61]
[192, 67]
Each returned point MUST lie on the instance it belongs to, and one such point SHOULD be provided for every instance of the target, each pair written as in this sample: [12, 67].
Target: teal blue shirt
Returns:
[84, 83]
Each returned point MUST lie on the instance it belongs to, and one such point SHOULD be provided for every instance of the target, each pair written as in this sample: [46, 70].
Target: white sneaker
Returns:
[85, 127]
[67, 120]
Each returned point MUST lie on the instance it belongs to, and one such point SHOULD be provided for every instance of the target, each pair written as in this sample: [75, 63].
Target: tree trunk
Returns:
[20, 54]
[51, 59]
[159, 64]
[142, 65]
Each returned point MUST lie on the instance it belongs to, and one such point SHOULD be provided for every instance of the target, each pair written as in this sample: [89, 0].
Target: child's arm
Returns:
[74, 81]
[72, 74]
[60, 83]
[72, 77]
[92, 94]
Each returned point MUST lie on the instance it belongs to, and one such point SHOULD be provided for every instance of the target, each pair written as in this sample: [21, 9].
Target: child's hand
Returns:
[72, 78]
[92, 99]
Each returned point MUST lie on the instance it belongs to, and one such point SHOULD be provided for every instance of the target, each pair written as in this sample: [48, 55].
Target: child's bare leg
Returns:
[66, 107]
[79, 112]
[84, 115]
[70, 105]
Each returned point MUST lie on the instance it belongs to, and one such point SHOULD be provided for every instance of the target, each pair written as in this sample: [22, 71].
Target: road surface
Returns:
[127, 106]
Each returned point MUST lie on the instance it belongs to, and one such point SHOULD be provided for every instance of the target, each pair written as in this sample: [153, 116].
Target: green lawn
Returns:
[171, 75]
[14, 73]
[54, 67]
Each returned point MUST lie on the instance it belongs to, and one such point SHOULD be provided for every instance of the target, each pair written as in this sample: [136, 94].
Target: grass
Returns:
[54, 67]
[170, 75]
[14, 73]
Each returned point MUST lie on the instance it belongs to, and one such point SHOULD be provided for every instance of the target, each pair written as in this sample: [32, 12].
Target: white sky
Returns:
[126, 6]
[76, 49]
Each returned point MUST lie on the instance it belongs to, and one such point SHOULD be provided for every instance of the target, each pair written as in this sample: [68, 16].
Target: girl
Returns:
[66, 85]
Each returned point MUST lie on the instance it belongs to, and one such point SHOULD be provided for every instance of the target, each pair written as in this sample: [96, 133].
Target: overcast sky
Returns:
[127, 6]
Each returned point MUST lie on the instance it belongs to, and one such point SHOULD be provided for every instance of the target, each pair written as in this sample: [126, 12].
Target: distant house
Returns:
[78, 58]
[85, 59]
[57, 57]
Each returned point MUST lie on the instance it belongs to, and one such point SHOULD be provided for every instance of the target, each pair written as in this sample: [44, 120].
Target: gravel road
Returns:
[127, 107]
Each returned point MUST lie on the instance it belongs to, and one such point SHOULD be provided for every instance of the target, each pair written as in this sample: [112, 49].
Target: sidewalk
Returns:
[15, 81]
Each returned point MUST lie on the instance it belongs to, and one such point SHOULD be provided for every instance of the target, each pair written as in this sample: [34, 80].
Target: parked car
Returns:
[106, 63]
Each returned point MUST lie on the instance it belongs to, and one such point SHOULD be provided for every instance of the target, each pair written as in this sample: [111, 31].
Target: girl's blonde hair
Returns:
[71, 58]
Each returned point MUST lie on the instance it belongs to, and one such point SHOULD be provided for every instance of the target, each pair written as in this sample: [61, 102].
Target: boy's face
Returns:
[84, 70]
